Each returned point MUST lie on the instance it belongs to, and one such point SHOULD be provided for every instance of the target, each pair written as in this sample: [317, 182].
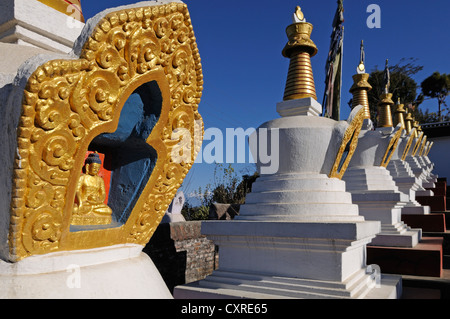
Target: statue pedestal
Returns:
[298, 235]
[268, 260]
[116, 272]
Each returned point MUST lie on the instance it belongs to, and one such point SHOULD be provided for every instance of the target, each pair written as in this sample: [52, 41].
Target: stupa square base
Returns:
[425, 259]
[434, 222]
[291, 259]
[324, 251]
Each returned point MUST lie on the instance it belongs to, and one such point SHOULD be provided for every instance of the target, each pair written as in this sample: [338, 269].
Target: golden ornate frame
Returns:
[424, 141]
[417, 146]
[408, 145]
[393, 144]
[69, 102]
[351, 137]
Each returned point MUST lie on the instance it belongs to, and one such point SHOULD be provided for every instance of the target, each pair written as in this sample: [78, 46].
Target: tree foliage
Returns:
[228, 188]
[403, 86]
[437, 87]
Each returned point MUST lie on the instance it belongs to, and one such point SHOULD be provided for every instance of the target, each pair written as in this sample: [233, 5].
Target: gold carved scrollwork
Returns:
[348, 145]
[69, 102]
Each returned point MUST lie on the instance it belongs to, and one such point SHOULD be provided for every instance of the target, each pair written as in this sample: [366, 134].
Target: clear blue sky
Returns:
[240, 44]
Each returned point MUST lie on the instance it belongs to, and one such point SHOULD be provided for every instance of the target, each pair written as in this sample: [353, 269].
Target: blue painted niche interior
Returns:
[127, 155]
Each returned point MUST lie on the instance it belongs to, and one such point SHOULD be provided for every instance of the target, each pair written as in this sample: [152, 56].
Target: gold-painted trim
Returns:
[350, 141]
[429, 148]
[417, 145]
[408, 145]
[393, 144]
[424, 142]
[69, 102]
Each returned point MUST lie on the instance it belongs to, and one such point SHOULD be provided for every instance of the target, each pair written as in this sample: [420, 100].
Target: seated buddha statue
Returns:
[89, 207]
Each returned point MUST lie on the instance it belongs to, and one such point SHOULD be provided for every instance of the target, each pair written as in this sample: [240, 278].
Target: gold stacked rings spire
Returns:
[384, 110]
[360, 90]
[399, 114]
[300, 48]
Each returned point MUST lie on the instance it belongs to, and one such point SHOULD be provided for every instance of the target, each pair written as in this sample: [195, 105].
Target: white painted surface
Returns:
[33, 23]
[118, 272]
[298, 235]
[375, 192]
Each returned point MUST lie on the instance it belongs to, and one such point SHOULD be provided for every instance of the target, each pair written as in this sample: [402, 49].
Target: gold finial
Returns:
[300, 49]
[361, 67]
[361, 86]
[298, 15]
[70, 7]
[387, 78]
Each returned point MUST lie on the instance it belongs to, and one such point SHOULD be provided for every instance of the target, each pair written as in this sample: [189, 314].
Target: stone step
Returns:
[355, 287]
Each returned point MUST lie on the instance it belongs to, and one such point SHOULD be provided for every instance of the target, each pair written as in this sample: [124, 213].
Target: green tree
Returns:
[403, 86]
[437, 87]
[228, 188]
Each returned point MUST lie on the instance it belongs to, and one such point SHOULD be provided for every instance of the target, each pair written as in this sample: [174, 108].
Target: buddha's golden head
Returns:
[93, 164]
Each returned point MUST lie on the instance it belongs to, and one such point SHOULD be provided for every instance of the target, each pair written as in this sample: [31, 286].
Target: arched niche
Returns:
[72, 105]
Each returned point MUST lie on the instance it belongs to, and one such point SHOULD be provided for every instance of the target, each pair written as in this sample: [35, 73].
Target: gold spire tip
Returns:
[298, 15]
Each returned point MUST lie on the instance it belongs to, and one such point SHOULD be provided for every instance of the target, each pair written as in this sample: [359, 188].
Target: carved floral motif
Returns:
[69, 102]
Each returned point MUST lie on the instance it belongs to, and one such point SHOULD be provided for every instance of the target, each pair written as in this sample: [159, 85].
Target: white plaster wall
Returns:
[440, 156]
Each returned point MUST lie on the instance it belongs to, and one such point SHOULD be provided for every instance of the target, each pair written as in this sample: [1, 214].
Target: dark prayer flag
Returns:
[333, 81]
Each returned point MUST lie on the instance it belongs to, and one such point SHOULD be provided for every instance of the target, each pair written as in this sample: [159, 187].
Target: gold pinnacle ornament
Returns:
[384, 110]
[384, 106]
[409, 120]
[415, 125]
[399, 114]
[361, 86]
[359, 90]
[299, 49]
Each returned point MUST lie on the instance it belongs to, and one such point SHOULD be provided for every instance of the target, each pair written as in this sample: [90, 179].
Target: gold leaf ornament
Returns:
[67, 103]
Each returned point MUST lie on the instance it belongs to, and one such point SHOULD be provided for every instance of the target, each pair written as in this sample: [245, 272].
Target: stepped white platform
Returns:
[378, 198]
[374, 191]
[406, 180]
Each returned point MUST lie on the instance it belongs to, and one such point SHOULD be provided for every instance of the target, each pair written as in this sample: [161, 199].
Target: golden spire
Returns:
[399, 114]
[384, 106]
[417, 127]
[361, 86]
[299, 49]
[70, 7]
[409, 120]
[384, 110]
